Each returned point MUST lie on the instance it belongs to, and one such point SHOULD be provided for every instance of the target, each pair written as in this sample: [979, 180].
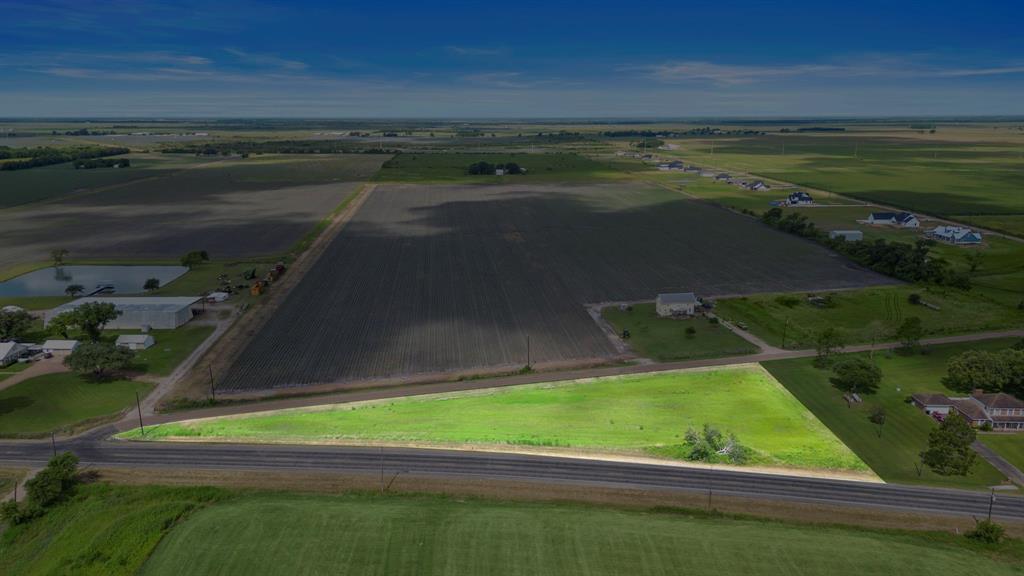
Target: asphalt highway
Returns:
[95, 451]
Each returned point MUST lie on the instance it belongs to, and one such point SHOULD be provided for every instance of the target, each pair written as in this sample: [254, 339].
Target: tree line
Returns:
[908, 262]
[244, 148]
[45, 155]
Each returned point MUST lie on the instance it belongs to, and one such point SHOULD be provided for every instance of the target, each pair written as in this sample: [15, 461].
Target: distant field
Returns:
[665, 339]
[154, 530]
[43, 404]
[49, 182]
[232, 208]
[646, 414]
[932, 174]
[457, 277]
[867, 314]
[452, 167]
[893, 454]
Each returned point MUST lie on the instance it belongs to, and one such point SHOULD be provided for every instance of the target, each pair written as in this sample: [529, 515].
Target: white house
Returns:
[135, 341]
[799, 198]
[848, 235]
[499, 171]
[676, 304]
[901, 219]
[956, 235]
[10, 352]
[60, 347]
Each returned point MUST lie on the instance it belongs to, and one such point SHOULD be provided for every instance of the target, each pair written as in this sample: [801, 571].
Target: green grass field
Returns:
[938, 174]
[665, 339]
[646, 414]
[11, 370]
[8, 477]
[1009, 446]
[868, 314]
[54, 402]
[171, 348]
[894, 453]
[451, 168]
[119, 531]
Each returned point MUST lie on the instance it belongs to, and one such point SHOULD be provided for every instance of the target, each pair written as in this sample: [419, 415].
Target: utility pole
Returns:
[53, 442]
[991, 501]
[139, 406]
[381, 469]
[213, 389]
[528, 363]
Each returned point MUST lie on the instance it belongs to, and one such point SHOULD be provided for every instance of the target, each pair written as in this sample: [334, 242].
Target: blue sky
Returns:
[518, 59]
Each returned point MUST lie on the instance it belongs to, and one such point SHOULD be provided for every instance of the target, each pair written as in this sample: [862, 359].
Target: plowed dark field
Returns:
[429, 278]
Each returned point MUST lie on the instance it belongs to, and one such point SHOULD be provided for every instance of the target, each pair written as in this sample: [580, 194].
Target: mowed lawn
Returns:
[171, 348]
[428, 535]
[1009, 446]
[646, 414]
[666, 339]
[867, 315]
[155, 530]
[54, 402]
[891, 450]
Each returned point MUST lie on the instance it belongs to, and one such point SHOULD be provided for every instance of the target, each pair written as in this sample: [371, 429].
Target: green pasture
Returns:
[644, 414]
[155, 530]
[891, 450]
[61, 402]
[1009, 446]
[867, 315]
[666, 339]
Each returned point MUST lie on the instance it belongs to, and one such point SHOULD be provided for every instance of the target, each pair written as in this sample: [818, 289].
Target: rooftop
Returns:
[135, 302]
[678, 298]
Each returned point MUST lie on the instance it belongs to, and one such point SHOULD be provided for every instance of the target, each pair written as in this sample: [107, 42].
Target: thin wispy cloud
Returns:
[736, 74]
[474, 51]
[266, 60]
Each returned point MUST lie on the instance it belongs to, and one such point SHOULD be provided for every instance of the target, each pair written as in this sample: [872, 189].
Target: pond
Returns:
[122, 279]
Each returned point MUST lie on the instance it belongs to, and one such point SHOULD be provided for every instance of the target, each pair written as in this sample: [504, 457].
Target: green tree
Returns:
[47, 487]
[827, 343]
[74, 290]
[58, 255]
[856, 375]
[974, 260]
[90, 318]
[194, 258]
[987, 531]
[710, 445]
[949, 450]
[877, 417]
[151, 284]
[14, 324]
[999, 371]
[99, 359]
[910, 333]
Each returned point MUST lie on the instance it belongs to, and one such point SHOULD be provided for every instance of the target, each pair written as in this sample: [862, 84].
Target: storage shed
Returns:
[136, 312]
[135, 341]
[676, 304]
[60, 347]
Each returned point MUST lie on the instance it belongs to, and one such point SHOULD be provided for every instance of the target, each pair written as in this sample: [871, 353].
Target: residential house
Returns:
[901, 219]
[999, 410]
[722, 177]
[958, 235]
[676, 304]
[10, 352]
[799, 198]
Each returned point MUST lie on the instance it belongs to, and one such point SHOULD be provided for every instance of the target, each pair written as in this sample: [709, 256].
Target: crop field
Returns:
[429, 278]
[891, 450]
[231, 208]
[939, 174]
[643, 414]
[156, 530]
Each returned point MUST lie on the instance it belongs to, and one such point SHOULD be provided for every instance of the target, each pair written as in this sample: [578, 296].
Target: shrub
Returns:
[914, 298]
[988, 532]
[690, 331]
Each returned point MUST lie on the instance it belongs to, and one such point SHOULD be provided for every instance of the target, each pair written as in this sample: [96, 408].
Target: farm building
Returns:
[1000, 411]
[136, 312]
[956, 235]
[135, 341]
[60, 347]
[10, 352]
[901, 219]
[799, 198]
[848, 235]
[723, 177]
[677, 304]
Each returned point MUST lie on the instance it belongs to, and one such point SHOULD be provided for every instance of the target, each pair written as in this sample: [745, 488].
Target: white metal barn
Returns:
[676, 304]
[135, 341]
[158, 312]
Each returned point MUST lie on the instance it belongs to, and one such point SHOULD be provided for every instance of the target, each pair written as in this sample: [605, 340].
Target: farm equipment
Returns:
[257, 288]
